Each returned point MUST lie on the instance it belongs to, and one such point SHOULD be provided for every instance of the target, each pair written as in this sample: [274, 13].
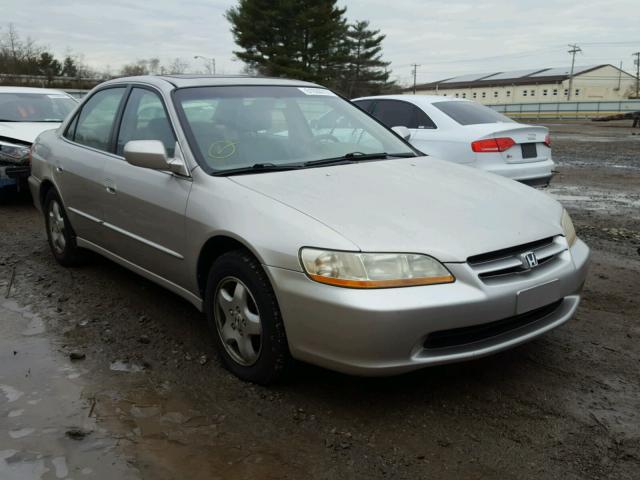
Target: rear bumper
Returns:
[533, 173]
[384, 332]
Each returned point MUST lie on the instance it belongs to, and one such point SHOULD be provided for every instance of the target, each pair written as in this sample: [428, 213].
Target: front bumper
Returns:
[383, 332]
[14, 175]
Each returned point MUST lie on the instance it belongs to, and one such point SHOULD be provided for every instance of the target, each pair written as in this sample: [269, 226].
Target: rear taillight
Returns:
[547, 140]
[492, 145]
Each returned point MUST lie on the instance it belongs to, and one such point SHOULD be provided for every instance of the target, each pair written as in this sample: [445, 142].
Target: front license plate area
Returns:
[538, 296]
[529, 150]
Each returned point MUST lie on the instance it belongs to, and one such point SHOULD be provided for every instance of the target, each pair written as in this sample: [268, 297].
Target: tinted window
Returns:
[364, 104]
[421, 119]
[145, 118]
[471, 113]
[397, 113]
[96, 118]
[393, 113]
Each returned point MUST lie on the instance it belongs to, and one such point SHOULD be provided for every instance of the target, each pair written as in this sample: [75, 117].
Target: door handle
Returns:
[111, 190]
[59, 169]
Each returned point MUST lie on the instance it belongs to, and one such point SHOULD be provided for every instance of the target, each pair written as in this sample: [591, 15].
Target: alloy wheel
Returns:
[57, 227]
[237, 321]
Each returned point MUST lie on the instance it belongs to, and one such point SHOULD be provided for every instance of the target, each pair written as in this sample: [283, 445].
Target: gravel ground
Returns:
[102, 371]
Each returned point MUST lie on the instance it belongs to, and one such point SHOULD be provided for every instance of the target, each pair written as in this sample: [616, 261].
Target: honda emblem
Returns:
[529, 260]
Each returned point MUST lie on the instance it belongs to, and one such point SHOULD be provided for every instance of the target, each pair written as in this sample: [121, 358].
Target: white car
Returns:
[466, 132]
[24, 114]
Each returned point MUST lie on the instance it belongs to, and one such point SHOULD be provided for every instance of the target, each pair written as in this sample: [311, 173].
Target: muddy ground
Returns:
[146, 397]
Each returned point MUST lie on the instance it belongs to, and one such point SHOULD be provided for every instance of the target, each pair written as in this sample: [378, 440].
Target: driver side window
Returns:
[145, 118]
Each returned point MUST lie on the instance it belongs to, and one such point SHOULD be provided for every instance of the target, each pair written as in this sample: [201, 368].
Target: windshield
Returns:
[240, 126]
[35, 107]
[471, 113]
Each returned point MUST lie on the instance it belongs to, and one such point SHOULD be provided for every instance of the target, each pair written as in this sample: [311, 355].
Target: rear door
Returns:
[79, 162]
[145, 209]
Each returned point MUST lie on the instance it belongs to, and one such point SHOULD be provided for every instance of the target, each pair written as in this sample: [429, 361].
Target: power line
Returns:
[574, 49]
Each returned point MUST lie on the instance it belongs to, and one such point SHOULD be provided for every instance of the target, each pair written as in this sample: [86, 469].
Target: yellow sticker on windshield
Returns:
[222, 149]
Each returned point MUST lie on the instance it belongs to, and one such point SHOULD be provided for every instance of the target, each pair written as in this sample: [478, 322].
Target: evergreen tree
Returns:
[48, 66]
[294, 38]
[69, 67]
[366, 72]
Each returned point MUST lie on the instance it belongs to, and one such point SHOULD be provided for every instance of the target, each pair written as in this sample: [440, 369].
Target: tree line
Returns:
[20, 56]
[310, 40]
[302, 39]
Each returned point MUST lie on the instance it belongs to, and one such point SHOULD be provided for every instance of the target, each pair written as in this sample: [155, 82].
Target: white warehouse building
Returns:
[596, 83]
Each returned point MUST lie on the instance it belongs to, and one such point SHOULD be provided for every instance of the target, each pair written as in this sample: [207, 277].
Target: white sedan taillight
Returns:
[492, 145]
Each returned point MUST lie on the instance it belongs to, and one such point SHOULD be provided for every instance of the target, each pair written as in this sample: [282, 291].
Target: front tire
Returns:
[245, 320]
[60, 234]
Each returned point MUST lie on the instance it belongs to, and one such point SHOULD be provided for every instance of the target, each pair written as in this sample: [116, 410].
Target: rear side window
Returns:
[421, 120]
[471, 113]
[395, 113]
[96, 119]
[364, 104]
[145, 118]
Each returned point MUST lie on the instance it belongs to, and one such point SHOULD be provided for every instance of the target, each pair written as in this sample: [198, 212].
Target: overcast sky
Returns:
[445, 38]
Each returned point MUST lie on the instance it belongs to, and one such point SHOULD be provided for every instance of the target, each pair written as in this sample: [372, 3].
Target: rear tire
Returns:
[245, 320]
[60, 234]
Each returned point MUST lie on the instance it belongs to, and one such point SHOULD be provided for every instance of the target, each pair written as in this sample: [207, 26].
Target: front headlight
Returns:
[372, 270]
[12, 153]
[567, 228]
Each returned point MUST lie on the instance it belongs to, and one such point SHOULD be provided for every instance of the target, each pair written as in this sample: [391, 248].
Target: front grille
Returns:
[476, 333]
[508, 261]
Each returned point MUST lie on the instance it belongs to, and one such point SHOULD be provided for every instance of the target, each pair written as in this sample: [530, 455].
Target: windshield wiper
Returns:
[257, 168]
[353, 157]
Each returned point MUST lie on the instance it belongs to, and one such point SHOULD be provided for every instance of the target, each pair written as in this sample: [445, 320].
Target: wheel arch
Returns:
[212, 249]
[45, 187]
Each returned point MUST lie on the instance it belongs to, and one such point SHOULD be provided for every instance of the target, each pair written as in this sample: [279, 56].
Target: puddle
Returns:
[123, 366]
[39, 403]
[596, 200]
[58, 424]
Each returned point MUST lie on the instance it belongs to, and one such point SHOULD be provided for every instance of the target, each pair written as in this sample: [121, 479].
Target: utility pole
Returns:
[637, 62]
[415, 73]
[574, 49]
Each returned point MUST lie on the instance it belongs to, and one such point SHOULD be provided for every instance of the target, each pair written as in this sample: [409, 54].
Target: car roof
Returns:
[42, 91]
[415, 99]
[184, 81]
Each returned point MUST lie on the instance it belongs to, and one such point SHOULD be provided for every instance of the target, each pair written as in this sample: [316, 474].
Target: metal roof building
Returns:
[590, 83]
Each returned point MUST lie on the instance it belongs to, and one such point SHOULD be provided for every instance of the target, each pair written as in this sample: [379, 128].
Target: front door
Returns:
[145, 209]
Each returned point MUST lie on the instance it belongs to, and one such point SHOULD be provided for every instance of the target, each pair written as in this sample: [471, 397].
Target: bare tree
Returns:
[178, 65]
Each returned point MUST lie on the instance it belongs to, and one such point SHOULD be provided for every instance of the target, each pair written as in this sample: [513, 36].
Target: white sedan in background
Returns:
[466, 132]
[24, 114]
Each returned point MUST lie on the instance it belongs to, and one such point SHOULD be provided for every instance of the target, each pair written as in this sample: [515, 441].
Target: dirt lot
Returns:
[149, 399]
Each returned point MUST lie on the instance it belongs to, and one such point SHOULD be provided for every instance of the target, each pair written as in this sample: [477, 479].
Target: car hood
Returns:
[419, 205]
[25, 131]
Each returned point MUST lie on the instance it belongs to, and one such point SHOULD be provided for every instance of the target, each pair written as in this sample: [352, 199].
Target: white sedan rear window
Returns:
[471, 113]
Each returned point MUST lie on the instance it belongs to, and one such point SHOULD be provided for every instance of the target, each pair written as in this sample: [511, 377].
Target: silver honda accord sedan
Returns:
[336, 244]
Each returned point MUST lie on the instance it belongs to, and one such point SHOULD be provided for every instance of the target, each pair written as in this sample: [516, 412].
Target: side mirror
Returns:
[402, 131]
[147, 154]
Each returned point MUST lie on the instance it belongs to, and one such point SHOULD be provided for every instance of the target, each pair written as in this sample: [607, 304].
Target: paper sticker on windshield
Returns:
[316, 91]
[56, 95]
